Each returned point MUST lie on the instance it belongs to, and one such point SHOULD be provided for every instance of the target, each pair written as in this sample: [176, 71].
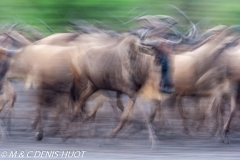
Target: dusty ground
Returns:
[131, 143]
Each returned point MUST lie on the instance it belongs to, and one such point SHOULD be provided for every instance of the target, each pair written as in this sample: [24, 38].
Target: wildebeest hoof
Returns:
[39, 136]
[226, 141]
[111, 135]
[186, 131]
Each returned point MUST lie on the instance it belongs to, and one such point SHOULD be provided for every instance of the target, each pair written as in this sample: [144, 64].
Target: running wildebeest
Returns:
[215, 82]
[92, 75]
[7, 92]
[27, 63]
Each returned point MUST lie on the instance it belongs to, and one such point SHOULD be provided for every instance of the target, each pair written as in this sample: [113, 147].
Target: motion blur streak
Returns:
[119, 79]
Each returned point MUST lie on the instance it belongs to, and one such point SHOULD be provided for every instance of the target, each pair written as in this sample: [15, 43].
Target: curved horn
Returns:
[102, 24]
[144, 34]
[119, 20]
[4, 26]
[11, 28]
[191, 34]
[136, 17]
[45, 25]
[174, 42]
[155, 20]
[13, 38]
[175, 31]
[133, 9]
[151, 43]
[7, 52]
[160, 17]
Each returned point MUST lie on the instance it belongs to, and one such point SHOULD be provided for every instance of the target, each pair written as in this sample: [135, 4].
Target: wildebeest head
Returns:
[162, 57]
[7, 44]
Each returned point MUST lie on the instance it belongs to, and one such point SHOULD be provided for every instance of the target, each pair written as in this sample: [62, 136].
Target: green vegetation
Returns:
[58, 13]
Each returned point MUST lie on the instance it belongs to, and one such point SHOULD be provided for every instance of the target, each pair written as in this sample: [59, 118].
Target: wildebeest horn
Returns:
[4, 26]
[11, 28]
[151, 43]
[7, 52]
[136, 17]
[175, 31]
[45, 25]
[174, 42]
[144, 34]
[133, 9]
[158, 42]
[102, 24]
[13, 38]
[161, 17]
[191, 34]
[198, 23]
[118, 19]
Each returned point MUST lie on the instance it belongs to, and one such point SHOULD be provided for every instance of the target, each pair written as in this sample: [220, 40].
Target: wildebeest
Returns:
[28, 64]
[132, 70]
[215, 82]
[47, 83]
[7, 92]
[83, 41]
[230, 59]
[7, 99]
[193, 75]
[87, 45]
[195, 84]
[92, 75]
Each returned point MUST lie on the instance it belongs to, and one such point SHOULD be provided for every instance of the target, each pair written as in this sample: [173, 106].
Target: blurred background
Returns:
[54, 16]
[116, 14]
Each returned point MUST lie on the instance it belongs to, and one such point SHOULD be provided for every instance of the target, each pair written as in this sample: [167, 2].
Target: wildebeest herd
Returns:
[153, 61]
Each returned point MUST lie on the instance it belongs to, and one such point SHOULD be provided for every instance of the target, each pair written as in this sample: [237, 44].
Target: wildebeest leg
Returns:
[125, 115]
[35, 122]
[81, 91]
[156, 110]
[112, 102]
[84, 93]
[202, 113]
[9, 115]
[180, 108]
[98, 104]
[39, 129]
[42, 94]
[84, 96]
[149, 119]
[163, 123]
[215, 112]
[56, 112]
[92, 116]
[2, 130]
[119, 102]
[172, 100]
[232, 110]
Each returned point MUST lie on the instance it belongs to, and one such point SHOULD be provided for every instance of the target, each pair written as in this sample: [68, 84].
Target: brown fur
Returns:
[212, 79]
[7, 99]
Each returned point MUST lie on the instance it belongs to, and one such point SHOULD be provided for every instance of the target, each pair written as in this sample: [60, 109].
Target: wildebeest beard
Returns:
[166, 84]
[3, 70]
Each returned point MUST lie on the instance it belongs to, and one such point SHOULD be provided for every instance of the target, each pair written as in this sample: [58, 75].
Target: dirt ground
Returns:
[90, 139]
